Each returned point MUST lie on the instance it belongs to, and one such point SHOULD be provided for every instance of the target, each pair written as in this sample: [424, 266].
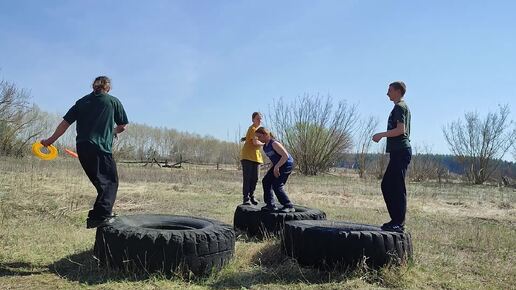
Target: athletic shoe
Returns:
[254, 201]
[94, 223]
[394, 228]
[269, 207]
[246, 202]
[287, 209]
[386, 225]
[97, 222]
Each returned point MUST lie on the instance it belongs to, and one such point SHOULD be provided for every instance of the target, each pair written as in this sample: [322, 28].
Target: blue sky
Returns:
[205, 66]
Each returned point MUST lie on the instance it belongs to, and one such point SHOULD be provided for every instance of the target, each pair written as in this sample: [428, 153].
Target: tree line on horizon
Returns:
[319, 133]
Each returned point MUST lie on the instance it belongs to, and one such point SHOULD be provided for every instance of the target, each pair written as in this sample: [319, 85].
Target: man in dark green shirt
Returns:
[96, 115]
[400, 152]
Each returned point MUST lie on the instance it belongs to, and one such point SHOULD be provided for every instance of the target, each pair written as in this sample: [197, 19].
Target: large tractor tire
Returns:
[256, 223]
[329, 244]
[165, 243]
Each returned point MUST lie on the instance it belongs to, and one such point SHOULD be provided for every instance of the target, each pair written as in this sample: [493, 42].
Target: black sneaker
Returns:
[287, 209]
[253, 200]
[394, 228]
[386, 225]
[93, 223]
[269, 208]
[246, 202]
[97, 222]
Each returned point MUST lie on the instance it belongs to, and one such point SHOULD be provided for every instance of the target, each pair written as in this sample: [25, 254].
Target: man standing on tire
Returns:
[96, 115]
[400, 152]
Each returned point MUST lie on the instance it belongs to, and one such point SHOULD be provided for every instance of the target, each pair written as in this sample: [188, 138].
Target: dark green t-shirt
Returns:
[96, 115]
[400, 113]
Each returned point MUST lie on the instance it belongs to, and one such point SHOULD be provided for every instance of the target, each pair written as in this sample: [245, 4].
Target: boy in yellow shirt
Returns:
[251, 158]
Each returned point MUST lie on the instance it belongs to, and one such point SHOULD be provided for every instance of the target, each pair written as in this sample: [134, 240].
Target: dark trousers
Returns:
[393, 185]
[100, 167]
[250, 173]
[271, 183]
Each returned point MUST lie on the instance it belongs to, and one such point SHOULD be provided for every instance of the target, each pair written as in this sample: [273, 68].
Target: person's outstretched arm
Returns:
[60, 130]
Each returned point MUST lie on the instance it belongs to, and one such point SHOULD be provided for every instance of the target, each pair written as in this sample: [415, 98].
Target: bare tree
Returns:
[143, 142]
[16, 116]
[313, 131]
[420, 168]
[363, 143]
[31, 127]
[381, 160]
[425, 165]
[479, 143]
[12, 101]
[236, 147]
[442, 171]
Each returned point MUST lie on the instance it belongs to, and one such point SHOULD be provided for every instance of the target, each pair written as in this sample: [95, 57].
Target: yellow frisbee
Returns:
[36, 149]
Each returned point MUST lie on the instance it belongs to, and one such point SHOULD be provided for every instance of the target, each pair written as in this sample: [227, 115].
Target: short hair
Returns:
[256, 113]
[400, 86]
[101, 83]
[264, 131]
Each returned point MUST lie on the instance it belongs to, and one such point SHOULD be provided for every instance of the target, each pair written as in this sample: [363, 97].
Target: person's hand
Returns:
[276, 171]
[377, 137]
[47, 142]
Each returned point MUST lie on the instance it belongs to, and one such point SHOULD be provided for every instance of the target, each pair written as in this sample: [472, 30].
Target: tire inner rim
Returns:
[168, 226]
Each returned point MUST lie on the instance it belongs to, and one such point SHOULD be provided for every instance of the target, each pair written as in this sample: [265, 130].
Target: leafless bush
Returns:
[381, 161]
[313, 131]
[143, 142]
[234, 149]
[425, 165]
[363, 144]
[479, 144]
[16, 116]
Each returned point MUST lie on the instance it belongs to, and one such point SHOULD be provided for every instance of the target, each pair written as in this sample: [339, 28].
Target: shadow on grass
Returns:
[271, 266]
[268, 266]
[83, 267]
[18, 269]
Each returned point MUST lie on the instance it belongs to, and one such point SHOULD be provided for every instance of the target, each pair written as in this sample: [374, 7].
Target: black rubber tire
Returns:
[165, 243]
[330, 244]
[257, 223]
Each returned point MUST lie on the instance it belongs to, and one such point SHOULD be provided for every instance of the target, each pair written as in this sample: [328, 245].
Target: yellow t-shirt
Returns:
[251, 151]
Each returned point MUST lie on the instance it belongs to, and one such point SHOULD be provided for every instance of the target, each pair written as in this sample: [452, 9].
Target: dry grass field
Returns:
[464, 236]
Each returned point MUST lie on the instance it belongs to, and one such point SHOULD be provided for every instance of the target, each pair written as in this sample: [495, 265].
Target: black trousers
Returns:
[250, 173]
[393, 185]
[100, 167]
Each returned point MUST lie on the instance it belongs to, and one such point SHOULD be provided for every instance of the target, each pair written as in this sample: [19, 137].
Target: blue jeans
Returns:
[393, 185]
[270, 183]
